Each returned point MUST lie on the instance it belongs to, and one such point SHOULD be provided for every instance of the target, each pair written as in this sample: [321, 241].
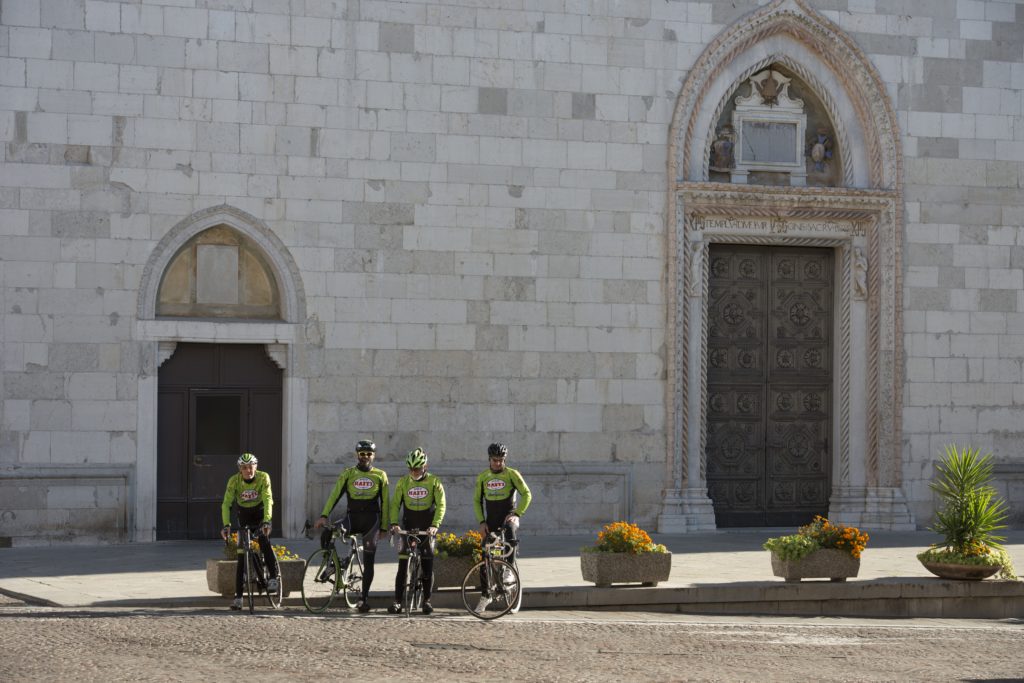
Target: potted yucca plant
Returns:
[969, 513]
[625, 553]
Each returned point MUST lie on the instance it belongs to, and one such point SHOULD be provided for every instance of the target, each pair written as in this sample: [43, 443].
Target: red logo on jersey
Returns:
[363, 484]
[496, 485]
[249, 494]
[417, 492]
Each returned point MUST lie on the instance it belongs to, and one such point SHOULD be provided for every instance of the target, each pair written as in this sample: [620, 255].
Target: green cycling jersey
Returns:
[367, 491]
[248, 494]
[423, 500]
[494, 490]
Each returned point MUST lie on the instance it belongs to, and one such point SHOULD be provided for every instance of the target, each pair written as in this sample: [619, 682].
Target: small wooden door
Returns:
[769, 385]
[215, 402]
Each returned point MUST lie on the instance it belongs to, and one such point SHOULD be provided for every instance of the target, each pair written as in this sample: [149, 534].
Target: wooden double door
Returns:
[769, 384]
[216, 401]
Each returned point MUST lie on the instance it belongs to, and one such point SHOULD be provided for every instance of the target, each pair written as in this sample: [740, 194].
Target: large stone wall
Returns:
[474, 194]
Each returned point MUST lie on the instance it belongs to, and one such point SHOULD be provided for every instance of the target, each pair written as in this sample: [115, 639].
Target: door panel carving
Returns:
[769, 384]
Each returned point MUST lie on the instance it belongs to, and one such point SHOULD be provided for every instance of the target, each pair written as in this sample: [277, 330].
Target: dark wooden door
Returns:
[215, 402]
[769, 384]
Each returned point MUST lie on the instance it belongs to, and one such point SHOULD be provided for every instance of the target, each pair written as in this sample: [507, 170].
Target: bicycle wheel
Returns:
[352, 580]
[412, 583]
[263, 573]
[250, 581]
[320, 580]
[498, 594]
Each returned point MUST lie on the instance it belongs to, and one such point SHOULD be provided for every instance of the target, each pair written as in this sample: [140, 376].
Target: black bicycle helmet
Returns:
[364, 445]
[497, 450]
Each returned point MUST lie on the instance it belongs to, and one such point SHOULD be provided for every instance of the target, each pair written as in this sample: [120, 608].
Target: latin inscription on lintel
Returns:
[779, 226]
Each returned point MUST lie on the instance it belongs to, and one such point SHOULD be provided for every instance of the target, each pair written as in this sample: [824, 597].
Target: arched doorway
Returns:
[765, 193]
[222, 290]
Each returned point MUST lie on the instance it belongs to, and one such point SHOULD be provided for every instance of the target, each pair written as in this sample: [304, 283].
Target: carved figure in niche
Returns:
[723, 150]
[819, 149]
[860, 274]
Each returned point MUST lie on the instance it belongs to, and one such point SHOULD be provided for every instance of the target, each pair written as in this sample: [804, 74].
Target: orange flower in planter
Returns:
[623, 537]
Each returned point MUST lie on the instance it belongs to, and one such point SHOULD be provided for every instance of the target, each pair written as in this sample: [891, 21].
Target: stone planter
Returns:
[961, 572]
[604, 569]
[450, 571]
[826, 563]
[220, 576]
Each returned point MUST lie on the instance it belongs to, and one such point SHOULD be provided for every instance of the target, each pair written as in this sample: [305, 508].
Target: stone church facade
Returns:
[700, 264]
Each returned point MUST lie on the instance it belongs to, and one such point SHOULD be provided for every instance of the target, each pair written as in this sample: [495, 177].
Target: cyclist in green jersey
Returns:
[367, 514]
[421, 495]
[250, 491]
[500, 497]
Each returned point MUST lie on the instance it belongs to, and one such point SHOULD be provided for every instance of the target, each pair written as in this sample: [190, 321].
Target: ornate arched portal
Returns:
[859, 221]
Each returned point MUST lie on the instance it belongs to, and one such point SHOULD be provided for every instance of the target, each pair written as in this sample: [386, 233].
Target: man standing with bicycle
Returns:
[367, 514]
[422, 497]
[250, 490]
[500, 497]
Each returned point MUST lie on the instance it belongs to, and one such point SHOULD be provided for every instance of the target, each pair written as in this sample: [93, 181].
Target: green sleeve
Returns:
[229, 500]
[267, 498]
[524, 492]
[336, 493]
[396, 501]
[478, 495]
[385, 502]
[439, 503]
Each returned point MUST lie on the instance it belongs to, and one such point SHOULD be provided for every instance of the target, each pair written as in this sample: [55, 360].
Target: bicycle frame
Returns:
[327, 570]
[413, 593]
[492, 588]
[254, 576]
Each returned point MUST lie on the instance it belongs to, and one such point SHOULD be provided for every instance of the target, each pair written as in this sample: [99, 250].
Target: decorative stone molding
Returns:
[164, 351]
[278, 353]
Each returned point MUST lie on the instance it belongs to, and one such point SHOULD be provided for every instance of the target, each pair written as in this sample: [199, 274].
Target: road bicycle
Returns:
[492, 587]
[327, 574]
[412, 597]
[254, 573]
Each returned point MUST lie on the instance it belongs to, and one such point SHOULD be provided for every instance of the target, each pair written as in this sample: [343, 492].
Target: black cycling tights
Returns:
[269, 561]
[427, 577]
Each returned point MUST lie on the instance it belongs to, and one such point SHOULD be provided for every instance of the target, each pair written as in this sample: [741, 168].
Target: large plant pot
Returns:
[604, 569]
[961, 572]
[450, 571]
[220, 576]
[826, 563]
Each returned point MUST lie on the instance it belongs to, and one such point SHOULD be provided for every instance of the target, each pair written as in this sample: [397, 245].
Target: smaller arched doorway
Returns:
[221, 304]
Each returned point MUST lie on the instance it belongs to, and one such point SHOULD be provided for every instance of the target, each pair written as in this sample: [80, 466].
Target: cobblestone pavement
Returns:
[40, 643]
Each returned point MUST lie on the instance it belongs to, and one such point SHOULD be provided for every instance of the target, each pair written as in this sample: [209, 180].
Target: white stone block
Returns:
[43, 127]
[142, 19]
[568, 418]
[89, 130]
[29, 42]
[80, 447]
[20, 13]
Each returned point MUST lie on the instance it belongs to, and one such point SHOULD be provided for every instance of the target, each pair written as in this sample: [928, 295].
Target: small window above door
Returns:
[219, 273]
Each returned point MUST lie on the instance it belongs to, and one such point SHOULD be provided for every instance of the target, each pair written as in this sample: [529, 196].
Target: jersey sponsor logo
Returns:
[496, 485]
[417, 492]
[249, 494]
[363, 484]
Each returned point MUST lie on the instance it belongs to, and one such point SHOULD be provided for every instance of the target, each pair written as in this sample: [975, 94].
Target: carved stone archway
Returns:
[282, 340]
[861, 222]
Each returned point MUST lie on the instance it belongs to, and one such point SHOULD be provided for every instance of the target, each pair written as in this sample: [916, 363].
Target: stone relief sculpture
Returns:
[819, 149]
[723, 150]
[860, 274]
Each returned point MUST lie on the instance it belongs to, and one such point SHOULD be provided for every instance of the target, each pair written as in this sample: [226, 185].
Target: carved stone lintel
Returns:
[860, 274]
[279, 354]
[165, 350]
